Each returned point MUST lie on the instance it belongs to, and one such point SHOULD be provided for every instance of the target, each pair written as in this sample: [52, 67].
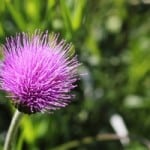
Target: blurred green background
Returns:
[112, 40]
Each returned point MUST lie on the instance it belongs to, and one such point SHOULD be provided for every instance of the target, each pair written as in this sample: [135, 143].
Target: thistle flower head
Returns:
[38, 72]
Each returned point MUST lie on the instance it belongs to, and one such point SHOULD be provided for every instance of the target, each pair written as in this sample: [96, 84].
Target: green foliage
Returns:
[111, 39]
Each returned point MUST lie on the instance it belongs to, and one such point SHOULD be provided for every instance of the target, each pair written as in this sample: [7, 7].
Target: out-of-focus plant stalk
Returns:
[12, 130]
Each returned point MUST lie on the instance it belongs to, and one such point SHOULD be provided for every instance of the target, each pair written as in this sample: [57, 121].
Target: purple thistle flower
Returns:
[38, 72]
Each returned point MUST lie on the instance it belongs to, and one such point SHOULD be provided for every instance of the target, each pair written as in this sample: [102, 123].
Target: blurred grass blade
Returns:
[20, 141]
[66, 14]
[2, 7]
[51, 3]
[1, 30]
[16, 16]
[78, 14]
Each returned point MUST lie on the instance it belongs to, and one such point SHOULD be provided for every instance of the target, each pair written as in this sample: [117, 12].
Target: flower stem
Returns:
[12, 130]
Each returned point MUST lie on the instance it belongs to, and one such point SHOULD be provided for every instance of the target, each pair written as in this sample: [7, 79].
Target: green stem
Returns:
[88, 140]
[12, 130]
